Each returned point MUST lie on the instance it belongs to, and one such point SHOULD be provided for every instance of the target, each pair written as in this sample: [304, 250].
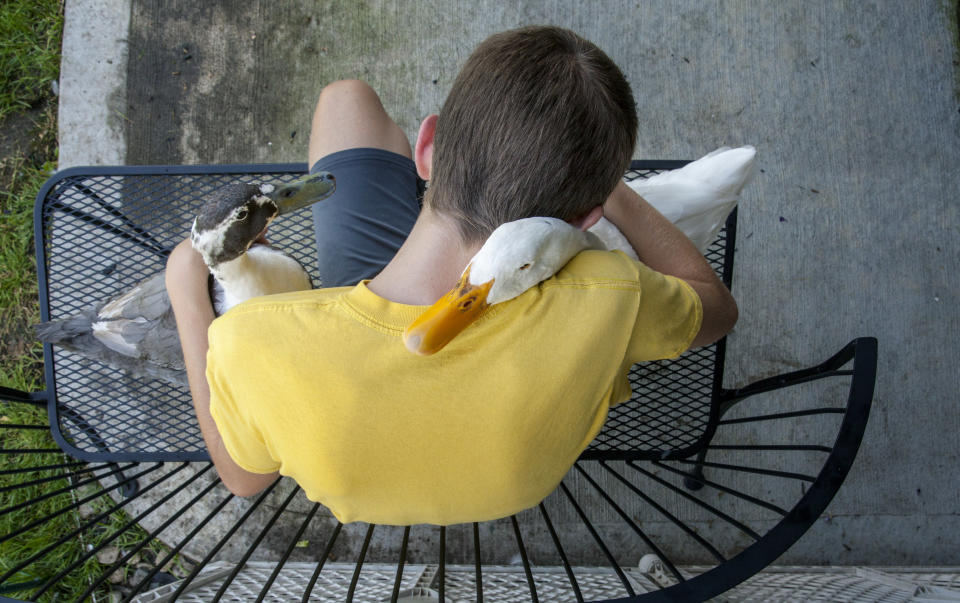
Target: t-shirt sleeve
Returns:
[668, 318]
[242, 439]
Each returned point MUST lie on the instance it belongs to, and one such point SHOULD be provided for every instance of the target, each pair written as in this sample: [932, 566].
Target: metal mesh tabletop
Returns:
[102, 231]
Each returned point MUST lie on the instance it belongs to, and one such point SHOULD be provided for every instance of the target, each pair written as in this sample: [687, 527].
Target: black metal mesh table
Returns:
[100, 234]
[101, 230]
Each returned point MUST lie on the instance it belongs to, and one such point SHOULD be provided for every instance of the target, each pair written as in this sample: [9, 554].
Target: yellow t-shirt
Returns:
[318, 386]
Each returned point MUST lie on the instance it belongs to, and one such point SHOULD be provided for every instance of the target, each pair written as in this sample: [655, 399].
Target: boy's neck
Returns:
[427, 265]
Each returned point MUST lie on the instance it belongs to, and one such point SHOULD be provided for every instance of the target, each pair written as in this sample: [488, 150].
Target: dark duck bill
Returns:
[303, 192]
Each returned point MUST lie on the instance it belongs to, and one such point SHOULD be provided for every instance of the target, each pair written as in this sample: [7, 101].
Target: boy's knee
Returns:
[351, 91]
[349, 114]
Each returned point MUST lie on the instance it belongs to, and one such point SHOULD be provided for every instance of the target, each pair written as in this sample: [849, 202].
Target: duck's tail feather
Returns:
[64, 331]
[112, 343]
[725, 171]
[698, 197]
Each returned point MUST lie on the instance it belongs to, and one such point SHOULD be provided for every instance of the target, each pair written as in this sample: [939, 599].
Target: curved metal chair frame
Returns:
[686, 472]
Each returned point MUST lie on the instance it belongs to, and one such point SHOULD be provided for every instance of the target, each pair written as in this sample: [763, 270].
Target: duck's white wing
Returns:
[611, 238]
[698, 197]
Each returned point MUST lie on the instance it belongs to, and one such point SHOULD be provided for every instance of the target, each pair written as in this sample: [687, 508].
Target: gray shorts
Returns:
[361, 226]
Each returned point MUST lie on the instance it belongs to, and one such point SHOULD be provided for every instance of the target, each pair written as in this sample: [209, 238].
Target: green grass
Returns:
[20, 369]
[35, 540]
[30, 33]
[42, 539]
[19, 307]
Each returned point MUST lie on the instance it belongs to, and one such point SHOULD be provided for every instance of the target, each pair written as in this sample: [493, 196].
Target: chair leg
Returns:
[694, 481]
[128, 489]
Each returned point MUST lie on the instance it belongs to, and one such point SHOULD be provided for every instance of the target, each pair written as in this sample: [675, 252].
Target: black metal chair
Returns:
[686, 472]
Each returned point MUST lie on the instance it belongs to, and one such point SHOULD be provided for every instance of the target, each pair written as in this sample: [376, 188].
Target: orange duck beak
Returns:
[446, 318]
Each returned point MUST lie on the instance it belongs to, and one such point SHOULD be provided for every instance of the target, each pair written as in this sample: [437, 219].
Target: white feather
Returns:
[110, 334]
[209, 242]
[697, 198]
[520, 254]
[262, 270]
[612, 238]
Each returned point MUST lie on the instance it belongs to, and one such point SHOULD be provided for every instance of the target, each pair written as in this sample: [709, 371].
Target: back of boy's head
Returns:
[539, 122]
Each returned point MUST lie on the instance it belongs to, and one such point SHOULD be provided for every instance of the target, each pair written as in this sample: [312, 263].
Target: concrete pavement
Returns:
[849, 229]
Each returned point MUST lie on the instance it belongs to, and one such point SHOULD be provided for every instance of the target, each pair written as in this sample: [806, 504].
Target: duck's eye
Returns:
[525, 266]
[242, 215]
[287, 193]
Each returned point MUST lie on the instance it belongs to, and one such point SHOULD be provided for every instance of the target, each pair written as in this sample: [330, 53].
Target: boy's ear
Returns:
[588, 219]
[423, 153]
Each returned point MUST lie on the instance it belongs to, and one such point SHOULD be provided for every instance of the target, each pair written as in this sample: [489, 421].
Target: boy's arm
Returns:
[663, 247]
[186, 281]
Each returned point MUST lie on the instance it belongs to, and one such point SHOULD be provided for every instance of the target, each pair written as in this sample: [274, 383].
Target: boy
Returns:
[318, 385]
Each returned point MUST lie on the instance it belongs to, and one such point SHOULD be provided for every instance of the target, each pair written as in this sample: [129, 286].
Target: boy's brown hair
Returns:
[539, 122]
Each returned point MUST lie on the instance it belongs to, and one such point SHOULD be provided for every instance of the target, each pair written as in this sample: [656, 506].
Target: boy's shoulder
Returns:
[257, 311]
[614, 270]
[293, 299]
[596, 265]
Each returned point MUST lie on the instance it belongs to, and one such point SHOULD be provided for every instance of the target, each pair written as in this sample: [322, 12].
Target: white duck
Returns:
[697, 198]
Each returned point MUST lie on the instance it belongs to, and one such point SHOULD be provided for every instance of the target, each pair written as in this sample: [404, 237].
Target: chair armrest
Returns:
[863, 352]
